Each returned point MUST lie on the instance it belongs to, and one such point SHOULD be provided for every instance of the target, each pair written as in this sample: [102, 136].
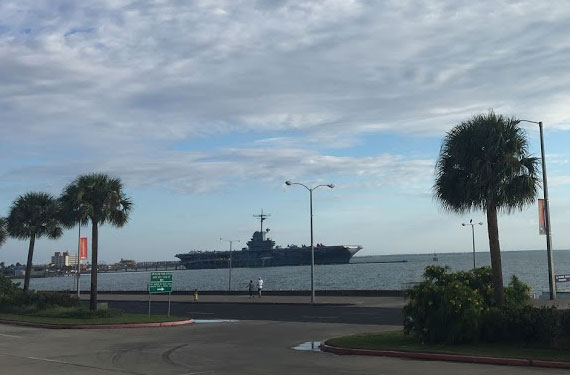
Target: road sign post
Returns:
[160, 282]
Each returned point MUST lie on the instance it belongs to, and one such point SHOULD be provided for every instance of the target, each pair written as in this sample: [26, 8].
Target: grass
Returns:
[396, 340]
[78, 315]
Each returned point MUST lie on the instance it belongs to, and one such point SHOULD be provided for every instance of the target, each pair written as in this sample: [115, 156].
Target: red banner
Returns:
[83, 248]
[541, 217]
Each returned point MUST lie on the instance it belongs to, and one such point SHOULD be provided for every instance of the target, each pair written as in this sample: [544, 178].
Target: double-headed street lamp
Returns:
[229, 263]
[289, 183]
[473, 234]
[551, 281]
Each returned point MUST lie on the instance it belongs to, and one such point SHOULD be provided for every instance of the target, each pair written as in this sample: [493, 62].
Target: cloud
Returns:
[192, 172]
[168, 70]
[116, 84]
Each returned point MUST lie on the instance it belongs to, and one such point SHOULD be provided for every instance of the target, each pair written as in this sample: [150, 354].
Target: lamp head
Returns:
[331, 185]
[288, 183]
[463, 224]
[480, 223]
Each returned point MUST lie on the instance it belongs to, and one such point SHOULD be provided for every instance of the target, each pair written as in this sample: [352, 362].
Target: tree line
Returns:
[95, 198]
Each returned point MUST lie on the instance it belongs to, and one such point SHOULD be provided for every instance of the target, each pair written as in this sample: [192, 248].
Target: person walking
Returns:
[250, 287]
[259, 286]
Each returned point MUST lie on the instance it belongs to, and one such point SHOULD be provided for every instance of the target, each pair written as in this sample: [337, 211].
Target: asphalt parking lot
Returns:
[240, 347]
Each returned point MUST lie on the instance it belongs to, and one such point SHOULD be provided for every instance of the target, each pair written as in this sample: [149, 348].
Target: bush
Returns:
[517, 294]
[43, 300]
[459, 307]
[15, 300]
[445, 307]
[522, 324]
[8, 291]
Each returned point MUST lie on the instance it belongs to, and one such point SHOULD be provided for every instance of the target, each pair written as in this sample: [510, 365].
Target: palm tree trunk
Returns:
[495, 248]
[94, 263]
[29, 264]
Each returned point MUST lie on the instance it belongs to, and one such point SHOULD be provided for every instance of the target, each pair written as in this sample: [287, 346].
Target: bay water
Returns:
[362, 273]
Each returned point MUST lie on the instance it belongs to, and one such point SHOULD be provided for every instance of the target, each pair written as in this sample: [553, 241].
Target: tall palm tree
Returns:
[99, 199]
[3, 232]
[484, 165]
[34, 215]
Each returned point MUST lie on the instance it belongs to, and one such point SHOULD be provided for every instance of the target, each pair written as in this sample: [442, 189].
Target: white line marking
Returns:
[18, 337]
[69, 363]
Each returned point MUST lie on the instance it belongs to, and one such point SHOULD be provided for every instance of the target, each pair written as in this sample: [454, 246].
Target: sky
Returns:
[205, 108]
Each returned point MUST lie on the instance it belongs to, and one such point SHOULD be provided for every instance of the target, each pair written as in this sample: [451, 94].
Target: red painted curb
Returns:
[550, 364]
[446, 357]
[96, 326]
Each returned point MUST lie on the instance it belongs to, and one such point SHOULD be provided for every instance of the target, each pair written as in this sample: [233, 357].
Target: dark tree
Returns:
[99, 199]
[34, 215]
[484, 165]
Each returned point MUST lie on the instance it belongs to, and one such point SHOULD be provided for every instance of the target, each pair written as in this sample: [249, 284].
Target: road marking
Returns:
[320, 317]
[196, 373]
[70, 364]
[18, 337]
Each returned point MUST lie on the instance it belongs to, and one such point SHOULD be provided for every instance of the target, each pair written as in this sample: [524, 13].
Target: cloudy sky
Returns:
[205, 108]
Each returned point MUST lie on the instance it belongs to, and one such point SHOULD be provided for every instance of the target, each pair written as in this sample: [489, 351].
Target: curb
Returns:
[446, 357]
[95, 326]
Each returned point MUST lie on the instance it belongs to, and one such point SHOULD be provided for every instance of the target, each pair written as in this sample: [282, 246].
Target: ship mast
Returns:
[262, 217]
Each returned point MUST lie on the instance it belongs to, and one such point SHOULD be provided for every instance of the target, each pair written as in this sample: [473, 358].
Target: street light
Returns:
[289, 183]
[551, 282]
[230, 263]
[473, 234]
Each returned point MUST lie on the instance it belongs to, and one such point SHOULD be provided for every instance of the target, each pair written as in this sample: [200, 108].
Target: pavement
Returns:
[250, 345]
[241, 347]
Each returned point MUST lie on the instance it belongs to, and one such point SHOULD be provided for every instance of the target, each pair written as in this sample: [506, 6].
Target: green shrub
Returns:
[458, 307]
[517, 294]
[43, 300]
[522, 324]
[445, 307]
[8, 291]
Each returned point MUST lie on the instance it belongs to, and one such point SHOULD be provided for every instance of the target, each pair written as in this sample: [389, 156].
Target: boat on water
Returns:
[262, 252]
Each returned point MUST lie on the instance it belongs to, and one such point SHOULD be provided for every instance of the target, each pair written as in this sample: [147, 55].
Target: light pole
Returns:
[289, 183]
[551, 281]
[230, 262]
[473, 234]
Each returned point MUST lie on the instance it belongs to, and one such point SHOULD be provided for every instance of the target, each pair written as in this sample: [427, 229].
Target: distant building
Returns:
[61, 260]
[127, 263]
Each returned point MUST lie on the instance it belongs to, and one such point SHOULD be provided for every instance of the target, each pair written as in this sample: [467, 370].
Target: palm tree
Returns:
[3, 232]
[99, 199]
[484, 165]
[34, 215]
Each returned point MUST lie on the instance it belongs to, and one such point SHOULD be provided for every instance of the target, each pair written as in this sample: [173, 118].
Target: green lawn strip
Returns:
[397, 341]
[122, 319]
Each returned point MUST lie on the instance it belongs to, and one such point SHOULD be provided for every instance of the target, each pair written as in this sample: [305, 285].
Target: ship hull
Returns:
[278, 257]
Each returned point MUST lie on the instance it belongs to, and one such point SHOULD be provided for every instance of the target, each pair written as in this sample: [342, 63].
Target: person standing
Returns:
[259, 286]
[250, 287]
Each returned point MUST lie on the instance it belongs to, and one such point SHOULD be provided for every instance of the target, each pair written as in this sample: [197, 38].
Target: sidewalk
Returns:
[392, 302]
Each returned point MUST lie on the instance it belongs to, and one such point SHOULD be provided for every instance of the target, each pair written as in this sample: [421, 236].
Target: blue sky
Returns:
[204, 109]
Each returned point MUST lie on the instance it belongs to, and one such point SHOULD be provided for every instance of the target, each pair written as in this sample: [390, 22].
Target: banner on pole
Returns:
[83, 248]
[541, 218]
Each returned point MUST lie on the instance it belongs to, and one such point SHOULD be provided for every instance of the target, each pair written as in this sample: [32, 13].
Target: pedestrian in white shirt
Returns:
[259, 286]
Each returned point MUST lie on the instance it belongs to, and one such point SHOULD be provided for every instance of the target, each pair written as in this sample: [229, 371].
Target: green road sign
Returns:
[160, 287]
[161, 276]
[160, 282]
